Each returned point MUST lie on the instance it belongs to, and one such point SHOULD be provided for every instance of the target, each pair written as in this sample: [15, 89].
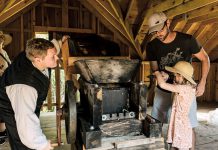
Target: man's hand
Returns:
[64, 38]
[200, 89]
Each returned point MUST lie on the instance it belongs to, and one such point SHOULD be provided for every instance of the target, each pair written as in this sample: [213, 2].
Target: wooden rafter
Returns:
[189, 6]
[204, 17]
[106, 12]
[180, 7]
[129, 8]
[180, 25]
[211, 32]
[14, 9]
[211, 43]
[116, 9]
[202, 30]
[191, 28]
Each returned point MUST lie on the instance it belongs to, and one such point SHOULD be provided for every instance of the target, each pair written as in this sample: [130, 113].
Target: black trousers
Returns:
[14, 139]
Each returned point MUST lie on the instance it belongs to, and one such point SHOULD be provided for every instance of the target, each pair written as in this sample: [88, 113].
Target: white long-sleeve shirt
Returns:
[23, 100]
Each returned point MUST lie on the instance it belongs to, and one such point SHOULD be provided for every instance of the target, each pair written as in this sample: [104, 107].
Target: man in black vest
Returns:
[23, 88]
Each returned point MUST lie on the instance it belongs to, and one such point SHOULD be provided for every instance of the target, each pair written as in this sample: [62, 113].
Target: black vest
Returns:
[22, 71]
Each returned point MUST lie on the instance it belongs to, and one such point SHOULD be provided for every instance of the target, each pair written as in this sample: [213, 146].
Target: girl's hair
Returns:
[185, 81]
[37, 47]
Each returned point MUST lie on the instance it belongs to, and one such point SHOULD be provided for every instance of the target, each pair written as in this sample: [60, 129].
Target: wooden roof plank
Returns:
[191, 28]
[180, 25]
[211, 43]
[189, 6]
[178, 9]
[204, 17]
[129, 8]
[14, 9]
[116, 10]
[107, 19]
[213, 29]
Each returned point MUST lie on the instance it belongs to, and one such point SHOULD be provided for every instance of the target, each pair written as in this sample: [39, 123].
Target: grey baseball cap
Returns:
[156, 21]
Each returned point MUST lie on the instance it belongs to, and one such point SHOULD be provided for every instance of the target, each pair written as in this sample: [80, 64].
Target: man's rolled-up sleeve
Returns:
[23, 100]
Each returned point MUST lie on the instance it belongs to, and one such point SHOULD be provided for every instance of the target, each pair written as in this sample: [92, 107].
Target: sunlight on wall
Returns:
[43, 35]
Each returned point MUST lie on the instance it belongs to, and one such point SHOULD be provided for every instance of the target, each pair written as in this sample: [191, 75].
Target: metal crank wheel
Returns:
[70, 112]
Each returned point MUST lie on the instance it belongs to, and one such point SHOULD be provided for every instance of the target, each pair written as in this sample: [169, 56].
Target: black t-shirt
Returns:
[168, 54]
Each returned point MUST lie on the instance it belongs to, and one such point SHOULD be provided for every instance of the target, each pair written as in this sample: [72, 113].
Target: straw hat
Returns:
[7, 38]
[183, 68]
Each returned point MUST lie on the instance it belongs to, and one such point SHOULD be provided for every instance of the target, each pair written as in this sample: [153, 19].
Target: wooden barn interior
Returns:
[104, 29]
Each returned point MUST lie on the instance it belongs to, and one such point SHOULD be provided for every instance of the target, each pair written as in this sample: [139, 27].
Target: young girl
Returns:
[180, 130]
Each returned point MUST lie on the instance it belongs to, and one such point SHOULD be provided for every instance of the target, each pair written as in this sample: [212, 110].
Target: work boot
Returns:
[2, 141]
[3, 134]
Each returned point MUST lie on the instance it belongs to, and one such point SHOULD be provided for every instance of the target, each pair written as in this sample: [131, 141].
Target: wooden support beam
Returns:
[33, 20]
[117, 11]
[211, 32]
[188, 6]
[204, 17]
[60, 29]
[129, 8]
[65, 17]
[200, 30]
[180, 25]
[21, 32]
[196, 14]
[213, 55]
[14, 9]
[191, 28]
[108, 19]
[180, 7]
[211, 44]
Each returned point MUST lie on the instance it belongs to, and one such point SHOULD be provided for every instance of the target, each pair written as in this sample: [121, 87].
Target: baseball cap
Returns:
[156, 21]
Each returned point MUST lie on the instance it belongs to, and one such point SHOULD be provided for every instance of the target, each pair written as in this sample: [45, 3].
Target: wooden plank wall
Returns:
[57, 18]
[211, 88]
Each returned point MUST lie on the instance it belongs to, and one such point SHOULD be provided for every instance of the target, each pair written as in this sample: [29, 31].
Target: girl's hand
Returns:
[164, 75]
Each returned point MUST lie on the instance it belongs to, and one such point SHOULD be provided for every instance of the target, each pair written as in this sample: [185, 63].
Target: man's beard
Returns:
[166, 35]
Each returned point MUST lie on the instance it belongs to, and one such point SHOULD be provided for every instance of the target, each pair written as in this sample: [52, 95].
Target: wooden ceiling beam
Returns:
[129, 8]
[109, 14]
[14, 9]
[211, 44]
[211, 32]
[189, 6]
[117, 11]
[204, 17]
[213, 55]
[202, 31]
[191, 28]
[108, 18]
[180, 25]
[197, 13]
[179, 8]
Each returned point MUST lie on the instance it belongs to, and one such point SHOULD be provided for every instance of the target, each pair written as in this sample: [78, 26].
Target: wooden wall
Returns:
[57, 17]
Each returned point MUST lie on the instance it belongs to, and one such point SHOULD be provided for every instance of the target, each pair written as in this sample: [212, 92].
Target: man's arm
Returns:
[205, 67]
[154, 66]
[23, 100]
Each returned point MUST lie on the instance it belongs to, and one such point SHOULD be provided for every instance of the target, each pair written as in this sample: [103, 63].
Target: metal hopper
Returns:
[107, 70]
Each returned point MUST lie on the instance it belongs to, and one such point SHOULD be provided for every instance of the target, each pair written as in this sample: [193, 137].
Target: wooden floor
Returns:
[207, 135]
